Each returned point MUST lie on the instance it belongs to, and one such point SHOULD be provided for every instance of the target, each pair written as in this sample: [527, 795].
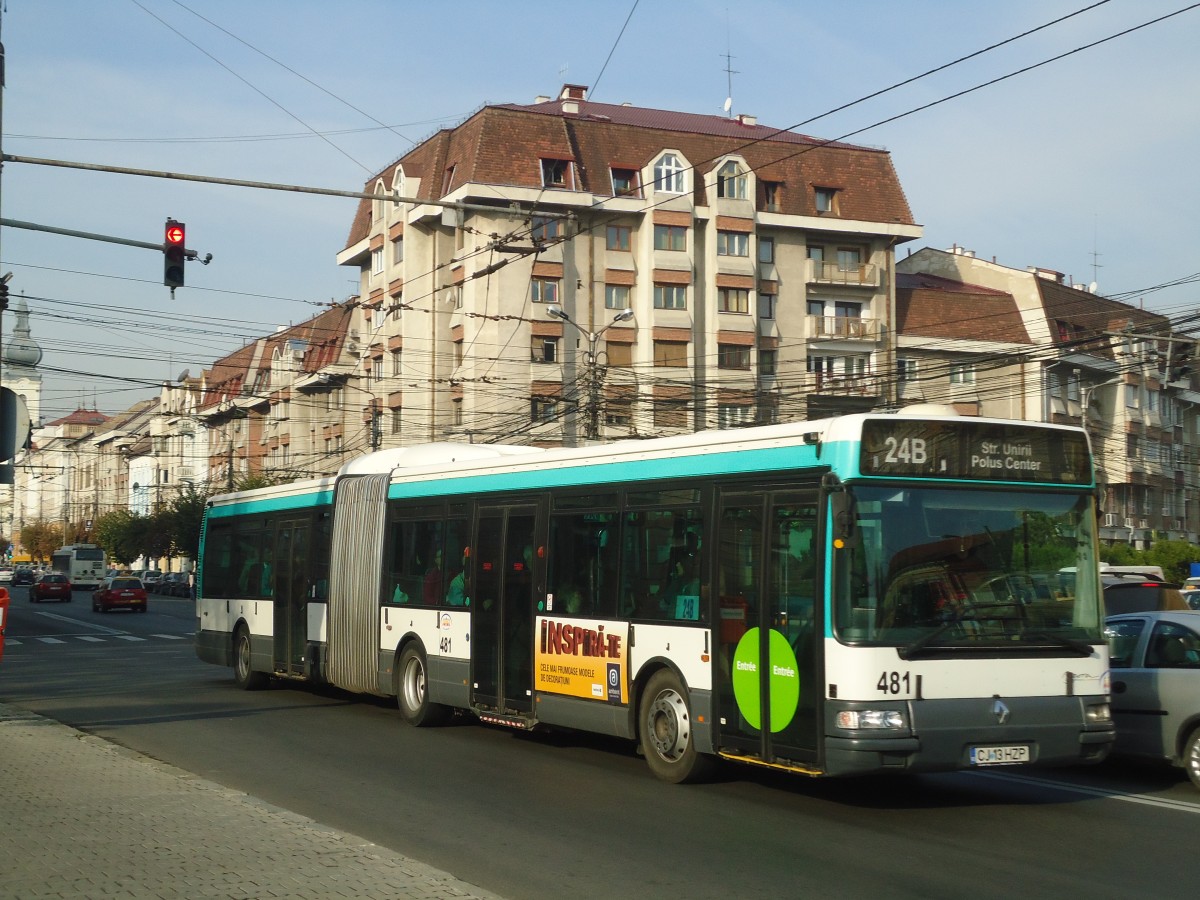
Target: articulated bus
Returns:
[873, 592]
[84, 565]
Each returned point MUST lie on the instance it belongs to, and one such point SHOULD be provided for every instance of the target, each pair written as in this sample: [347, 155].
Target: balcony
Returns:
[832, 272]
[842, 328]
[860, 384]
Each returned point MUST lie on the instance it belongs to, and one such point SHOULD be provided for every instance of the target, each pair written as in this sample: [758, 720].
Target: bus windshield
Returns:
[931, 570]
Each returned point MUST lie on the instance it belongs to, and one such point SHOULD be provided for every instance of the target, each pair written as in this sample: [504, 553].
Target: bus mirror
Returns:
[845, 532]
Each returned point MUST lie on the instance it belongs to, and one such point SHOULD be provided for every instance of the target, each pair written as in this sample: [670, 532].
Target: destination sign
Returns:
[918, 448]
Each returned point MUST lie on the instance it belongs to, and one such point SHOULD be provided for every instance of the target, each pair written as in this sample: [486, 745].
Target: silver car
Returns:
[1155, 658]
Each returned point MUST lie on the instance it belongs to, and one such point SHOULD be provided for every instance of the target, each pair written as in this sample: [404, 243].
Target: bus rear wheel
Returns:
[245, 676]
[666, 734]
[412, 690]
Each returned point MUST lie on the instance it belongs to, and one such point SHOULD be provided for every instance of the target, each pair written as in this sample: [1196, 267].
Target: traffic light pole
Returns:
[92, 236]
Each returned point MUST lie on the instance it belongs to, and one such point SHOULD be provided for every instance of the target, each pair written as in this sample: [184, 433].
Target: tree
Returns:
[1174, 557]
[41, 539]
[186, 513]
[120, 533]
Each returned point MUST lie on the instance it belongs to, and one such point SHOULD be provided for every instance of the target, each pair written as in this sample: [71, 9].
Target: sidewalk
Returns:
[81, 817]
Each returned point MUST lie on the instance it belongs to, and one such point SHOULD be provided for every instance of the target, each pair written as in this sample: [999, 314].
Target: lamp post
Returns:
[593, 420]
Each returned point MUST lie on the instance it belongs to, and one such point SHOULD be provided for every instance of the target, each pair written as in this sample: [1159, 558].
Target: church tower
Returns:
[21, 357]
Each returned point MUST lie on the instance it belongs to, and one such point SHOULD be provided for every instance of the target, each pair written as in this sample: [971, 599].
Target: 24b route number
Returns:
[894, 683]
[906, 450]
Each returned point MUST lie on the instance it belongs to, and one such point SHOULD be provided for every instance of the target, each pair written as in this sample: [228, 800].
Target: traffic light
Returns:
[1180, 368]
[174, 246]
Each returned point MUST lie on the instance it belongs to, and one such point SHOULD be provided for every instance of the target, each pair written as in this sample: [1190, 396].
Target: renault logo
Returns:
[1000, 711]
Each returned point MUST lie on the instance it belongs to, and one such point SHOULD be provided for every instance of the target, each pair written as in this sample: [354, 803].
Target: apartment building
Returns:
[609, 271]
[1087, 360]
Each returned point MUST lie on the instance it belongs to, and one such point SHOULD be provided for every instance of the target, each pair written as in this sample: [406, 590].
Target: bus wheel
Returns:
[412, 689]
[1191, 757]
[666, 732]
[245, 677]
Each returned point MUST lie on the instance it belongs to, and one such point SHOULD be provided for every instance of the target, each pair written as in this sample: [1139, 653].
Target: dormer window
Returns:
[625, 183]
[825, 199]
[669, 175]
[556, 173]
[731, 181]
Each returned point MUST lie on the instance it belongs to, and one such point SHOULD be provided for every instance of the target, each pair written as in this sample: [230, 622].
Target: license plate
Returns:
[1013, 754]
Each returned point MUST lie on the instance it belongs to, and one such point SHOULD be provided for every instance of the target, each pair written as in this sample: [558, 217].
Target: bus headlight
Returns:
[878, 719]
[1096, 713]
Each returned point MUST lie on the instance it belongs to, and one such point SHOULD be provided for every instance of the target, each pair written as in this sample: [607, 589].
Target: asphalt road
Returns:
[557, 815]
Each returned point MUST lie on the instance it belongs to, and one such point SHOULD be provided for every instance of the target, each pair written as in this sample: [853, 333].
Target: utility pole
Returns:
[593, 369]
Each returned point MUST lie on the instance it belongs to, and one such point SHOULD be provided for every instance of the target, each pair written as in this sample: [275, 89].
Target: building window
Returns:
[1131, 396]
[670, 296]
[849, 259]
[396, 362]
[768, 362]
[396, 421]
[455, 295]
[766, 250]
[766, 306]
[457, 412]
[733, 243]
[618, 413]
[544, 290]
[670, 237]
[733, 356]
[731, 181]
[556, 173]
[671, 353]
[906, 369]
[771, 192]
[545, 228]
[377, 261]
[447, 180]
[669, 175]
[458, 353]
[625, 183]
[376, 370]
[962, 373]
[825, 199]
[670, 413]
[618, 237]
[620, 355]
[730, 415]
[545, 350]
[733, 300]
[616, 296]
[397, 251]
[543, 409]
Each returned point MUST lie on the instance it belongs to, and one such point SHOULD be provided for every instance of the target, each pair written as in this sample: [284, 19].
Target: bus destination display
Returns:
[984, 450]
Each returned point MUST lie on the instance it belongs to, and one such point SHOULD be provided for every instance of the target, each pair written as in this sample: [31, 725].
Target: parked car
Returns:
[6, 574]
[1140, 593]
[175, 585]
[1155, 658]
[121, 592]
[150, 578]
[23, 575]
[51, 586]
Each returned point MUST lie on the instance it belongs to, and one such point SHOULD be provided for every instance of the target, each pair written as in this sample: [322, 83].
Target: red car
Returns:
[51, 586]
[120, 592]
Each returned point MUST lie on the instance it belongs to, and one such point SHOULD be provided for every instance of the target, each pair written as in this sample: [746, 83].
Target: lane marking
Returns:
[50, 640]
[1104, 793]
[80, 623]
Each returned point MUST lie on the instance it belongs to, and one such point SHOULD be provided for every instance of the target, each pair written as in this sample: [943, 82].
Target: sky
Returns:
[1084, 165]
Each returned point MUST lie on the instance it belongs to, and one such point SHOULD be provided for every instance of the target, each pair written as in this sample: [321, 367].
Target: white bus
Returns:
[850, 595]
[84, 564]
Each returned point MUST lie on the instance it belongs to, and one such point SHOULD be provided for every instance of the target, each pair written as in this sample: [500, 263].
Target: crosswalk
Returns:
[93, 639]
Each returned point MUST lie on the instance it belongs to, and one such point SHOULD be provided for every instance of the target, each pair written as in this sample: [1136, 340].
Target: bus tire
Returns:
[665, 731]
[243, 675]
[412, 689]
[1191, 757]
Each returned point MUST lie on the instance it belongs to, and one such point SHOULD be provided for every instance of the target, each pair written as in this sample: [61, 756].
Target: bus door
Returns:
[502, 607]
[769, 624]
[289, 590]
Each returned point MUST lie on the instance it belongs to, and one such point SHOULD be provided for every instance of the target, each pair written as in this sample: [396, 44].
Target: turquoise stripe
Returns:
[274, 504]
[615, 474]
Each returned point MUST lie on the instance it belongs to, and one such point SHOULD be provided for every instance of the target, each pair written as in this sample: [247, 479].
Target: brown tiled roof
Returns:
[82, 416]
[936, 307]
[503, 145]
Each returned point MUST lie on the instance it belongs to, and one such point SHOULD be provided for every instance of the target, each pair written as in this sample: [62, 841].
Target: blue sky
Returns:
[1085, 165]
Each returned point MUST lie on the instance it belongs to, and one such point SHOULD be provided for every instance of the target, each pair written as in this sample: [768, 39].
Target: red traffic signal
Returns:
[174, 246]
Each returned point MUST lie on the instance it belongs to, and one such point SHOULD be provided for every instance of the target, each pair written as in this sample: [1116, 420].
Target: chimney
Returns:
[747, 120]
[573, 92]
[571, 106]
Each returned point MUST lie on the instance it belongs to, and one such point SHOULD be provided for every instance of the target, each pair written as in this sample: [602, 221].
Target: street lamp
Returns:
[557, 312]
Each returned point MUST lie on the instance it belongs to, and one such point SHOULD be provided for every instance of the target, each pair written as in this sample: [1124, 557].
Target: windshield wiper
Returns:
[922, 643]
[1081, 647]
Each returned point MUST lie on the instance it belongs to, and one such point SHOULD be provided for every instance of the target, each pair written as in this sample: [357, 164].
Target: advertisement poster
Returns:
[585, 659]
